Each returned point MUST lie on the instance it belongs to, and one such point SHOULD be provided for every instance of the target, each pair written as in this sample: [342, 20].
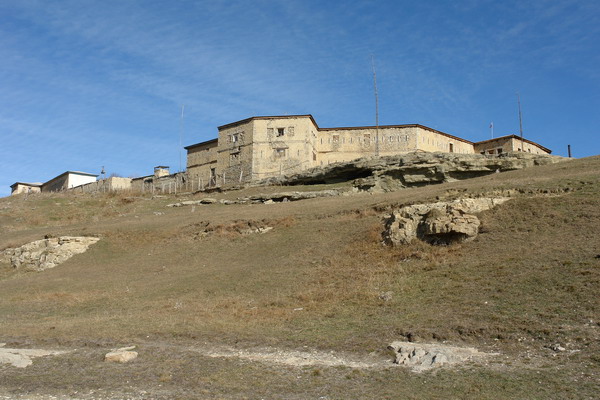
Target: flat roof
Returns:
[243, 121]
[70, 172]
[211, 141]
[27, 184]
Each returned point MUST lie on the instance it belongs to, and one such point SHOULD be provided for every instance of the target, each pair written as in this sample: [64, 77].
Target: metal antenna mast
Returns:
[180, 135]
[376, 107]
[520, 122]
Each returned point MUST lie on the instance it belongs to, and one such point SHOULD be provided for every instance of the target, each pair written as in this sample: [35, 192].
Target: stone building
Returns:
[261, 147]
[25, 187]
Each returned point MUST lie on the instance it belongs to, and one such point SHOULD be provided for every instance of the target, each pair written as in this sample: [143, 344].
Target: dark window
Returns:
[280, 131]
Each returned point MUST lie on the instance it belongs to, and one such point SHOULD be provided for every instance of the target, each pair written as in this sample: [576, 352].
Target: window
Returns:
[451, 148]
[290, 130]
[499, 151]
[235, 137]
[234, 156]
[279, 153]
[314, 156]
[280, 132]
[336, 138]
[490, 151]
[213, 177]
[367, 137]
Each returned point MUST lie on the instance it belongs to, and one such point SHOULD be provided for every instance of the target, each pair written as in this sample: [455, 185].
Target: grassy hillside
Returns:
[315, 281]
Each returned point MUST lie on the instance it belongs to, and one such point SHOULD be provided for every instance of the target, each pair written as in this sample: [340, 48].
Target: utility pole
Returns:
[521, 123]
[181, 135]
[376, 107]
[492, 128]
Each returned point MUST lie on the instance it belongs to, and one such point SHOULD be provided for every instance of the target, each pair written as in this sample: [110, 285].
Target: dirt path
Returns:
[296, 358]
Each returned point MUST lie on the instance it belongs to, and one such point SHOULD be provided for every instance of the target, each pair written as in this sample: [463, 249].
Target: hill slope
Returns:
[319, 280]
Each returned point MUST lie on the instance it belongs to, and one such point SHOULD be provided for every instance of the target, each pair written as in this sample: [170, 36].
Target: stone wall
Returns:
[507, 144]
[234, 154]
[24, 188]
[283, 146]
[200, 160]
[105, 185]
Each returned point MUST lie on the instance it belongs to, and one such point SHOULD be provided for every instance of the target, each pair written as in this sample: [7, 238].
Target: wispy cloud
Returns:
[88, 78]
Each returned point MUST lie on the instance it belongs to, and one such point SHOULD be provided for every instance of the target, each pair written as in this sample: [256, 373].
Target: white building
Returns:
[64, 181]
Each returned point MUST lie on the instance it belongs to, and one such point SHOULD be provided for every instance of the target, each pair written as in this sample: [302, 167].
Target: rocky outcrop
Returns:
[206, 200]
[22, 358]
[289, 196]
[46, 253]
[421, 356]
[437, 223]
[414, 169]
[122, 355]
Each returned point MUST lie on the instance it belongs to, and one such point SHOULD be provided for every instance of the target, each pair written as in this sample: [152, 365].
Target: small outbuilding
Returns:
[25, 187]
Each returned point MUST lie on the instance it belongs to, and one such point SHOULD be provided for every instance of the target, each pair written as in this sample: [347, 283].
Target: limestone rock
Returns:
[22, 358]
[47, 253]
[437, 223]
[122, 355]
[413, 169]
[291, 196]
[421, 356]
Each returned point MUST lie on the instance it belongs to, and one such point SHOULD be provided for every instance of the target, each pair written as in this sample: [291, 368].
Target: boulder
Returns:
[437, 223]
[122, 355]
[423, 356]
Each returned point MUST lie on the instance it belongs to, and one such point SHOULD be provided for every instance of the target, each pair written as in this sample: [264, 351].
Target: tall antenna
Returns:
[376, 107]
[492, 128]
[180, 135]
[520, 122]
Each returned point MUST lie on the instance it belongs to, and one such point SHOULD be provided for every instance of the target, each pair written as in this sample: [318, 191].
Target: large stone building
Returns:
[262, 147]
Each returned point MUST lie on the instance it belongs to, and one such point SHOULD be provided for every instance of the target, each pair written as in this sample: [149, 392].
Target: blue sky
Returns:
[86, 84]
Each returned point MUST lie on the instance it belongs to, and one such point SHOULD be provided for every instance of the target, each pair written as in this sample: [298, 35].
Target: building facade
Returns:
[261, 147]
[24, 187]
[64, 181]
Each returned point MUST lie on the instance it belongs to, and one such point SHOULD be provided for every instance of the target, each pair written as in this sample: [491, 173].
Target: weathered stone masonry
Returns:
[262, 147]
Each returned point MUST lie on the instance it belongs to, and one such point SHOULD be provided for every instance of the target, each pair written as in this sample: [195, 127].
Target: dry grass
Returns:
[321, 278]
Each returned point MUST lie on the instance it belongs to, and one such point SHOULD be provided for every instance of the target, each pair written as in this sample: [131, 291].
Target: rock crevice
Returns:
[440, 223]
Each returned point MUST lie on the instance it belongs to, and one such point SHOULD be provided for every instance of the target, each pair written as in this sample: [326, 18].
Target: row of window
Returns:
[366, 138]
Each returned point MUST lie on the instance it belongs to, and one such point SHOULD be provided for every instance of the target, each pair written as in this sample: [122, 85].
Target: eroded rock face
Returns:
[437, 223]
[414, 169]
[422, 356]
[46, 253]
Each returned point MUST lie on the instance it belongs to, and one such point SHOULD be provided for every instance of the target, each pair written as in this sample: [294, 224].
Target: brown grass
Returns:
[321, 278]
